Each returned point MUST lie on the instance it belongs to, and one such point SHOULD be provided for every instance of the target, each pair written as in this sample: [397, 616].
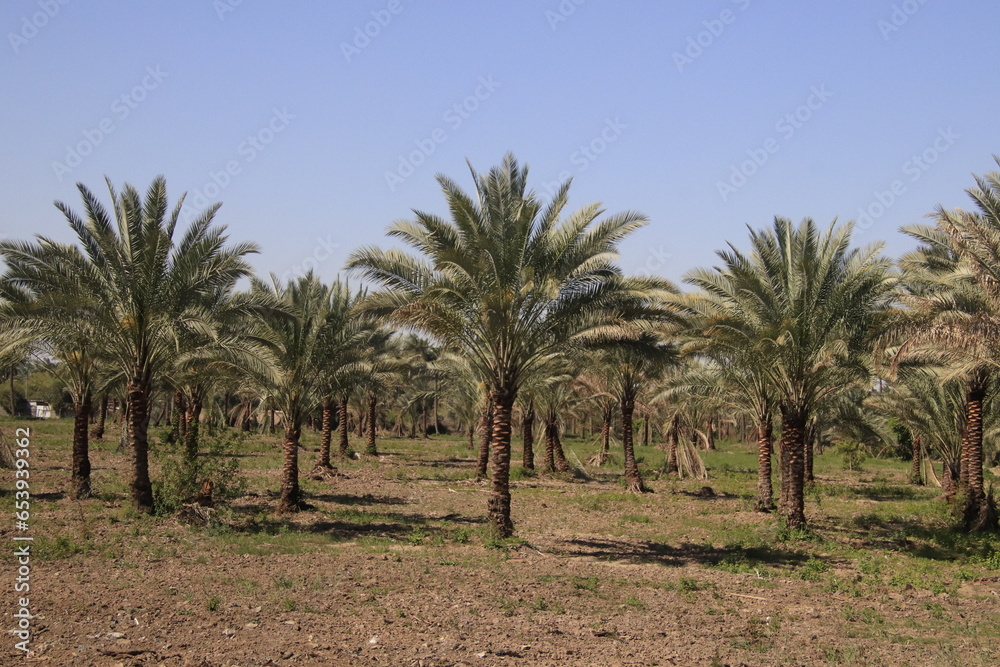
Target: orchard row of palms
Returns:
[513, 307]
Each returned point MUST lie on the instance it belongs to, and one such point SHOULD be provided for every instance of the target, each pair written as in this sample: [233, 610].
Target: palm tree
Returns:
[342, 349]
[741, 366]
[810, 306]
[933, 409]
[306, 324]
[142, 287]
[952, 318]
[507, 283]
[59, 330]
[379, 369]
[632, 363]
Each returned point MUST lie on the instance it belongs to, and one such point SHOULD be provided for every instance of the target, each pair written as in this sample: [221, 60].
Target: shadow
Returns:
[678, 555]
[59, 495]
[884, 492]
[367, 499]
[451, 462]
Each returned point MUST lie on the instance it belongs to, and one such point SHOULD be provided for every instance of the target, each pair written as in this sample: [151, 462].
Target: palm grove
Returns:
[511, 314]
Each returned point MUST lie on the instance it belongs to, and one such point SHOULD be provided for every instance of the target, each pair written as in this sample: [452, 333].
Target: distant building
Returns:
[40, 409]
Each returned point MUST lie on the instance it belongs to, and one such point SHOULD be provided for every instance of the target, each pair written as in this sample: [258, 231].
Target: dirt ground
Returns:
[391, 566]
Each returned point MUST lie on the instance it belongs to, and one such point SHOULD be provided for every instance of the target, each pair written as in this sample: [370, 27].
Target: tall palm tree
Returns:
[143, 288]
[953, 314]
[811, 306]
[507, 282]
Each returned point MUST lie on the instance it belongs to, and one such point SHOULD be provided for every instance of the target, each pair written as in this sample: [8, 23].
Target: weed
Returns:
[812, 569]
[588, 584]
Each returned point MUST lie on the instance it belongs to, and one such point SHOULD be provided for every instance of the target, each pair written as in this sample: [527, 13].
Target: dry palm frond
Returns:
[689, 462]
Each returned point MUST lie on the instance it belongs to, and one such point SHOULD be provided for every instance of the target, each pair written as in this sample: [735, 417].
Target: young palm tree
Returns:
[633, 363]
[507, 283]
[741, 367]
[300, 333]
[810, 306]
[59, 331]
[341, 362]
[143, 289]
[379, 370]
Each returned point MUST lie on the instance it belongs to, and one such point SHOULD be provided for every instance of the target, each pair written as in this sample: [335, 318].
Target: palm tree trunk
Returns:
[138, 430]
[436, 391]
[182, 408]
[193, 420]
[675, 434]
[327, 434]
[947, 480]
[343, 428]
[633, 480]
[499, 501]
[793, 428]
[809, 453]
[550, 442]
[528, 437]
[979, 511]
[484, 443]
[98, 432]
[765, 445]
[423, 417]
[80, 484]
[471, 432]
[915, 476]
[291, 496]
[602, 457]
[645, 430]
[562, 465]
[13, 396]
[372, 403]
[710, 435]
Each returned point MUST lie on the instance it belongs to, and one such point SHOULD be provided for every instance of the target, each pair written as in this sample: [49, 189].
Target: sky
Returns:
[317, 124]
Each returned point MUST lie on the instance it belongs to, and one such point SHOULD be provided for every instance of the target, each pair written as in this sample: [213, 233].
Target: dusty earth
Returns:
[391, 566]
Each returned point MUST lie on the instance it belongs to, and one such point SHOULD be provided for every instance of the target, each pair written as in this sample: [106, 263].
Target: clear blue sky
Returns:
[179, 88]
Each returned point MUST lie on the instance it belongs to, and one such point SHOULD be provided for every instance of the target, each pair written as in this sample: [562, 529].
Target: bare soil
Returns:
[390, 565]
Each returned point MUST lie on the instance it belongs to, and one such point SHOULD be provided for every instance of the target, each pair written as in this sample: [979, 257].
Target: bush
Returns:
[854, 454]
[181, 480]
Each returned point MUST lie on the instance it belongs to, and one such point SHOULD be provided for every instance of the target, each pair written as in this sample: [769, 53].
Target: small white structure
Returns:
[40, 409]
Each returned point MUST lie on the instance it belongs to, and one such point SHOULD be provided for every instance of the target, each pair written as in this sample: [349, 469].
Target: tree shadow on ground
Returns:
[366, 499]
[657, 553]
